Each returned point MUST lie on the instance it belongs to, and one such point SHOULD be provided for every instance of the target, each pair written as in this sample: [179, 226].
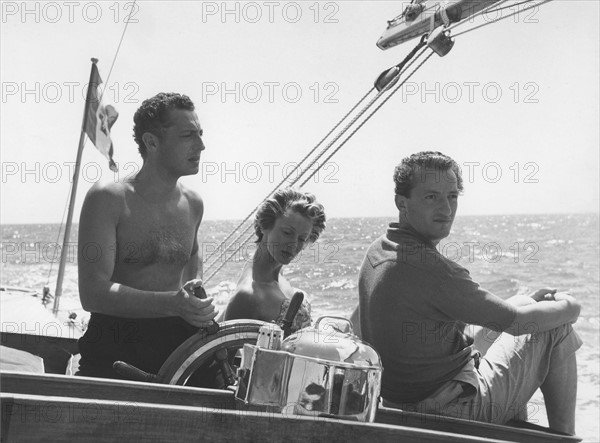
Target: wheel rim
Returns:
[200, 349]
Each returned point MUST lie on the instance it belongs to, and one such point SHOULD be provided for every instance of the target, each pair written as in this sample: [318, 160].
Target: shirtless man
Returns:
[138, 248]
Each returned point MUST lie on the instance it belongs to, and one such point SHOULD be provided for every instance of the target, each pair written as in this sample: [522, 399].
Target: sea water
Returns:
[505, 254]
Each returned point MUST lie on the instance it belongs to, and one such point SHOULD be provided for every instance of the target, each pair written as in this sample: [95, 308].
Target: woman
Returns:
[284, 225]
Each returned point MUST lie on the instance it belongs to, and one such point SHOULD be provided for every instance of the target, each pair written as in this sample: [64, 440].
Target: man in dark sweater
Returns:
[415, 304]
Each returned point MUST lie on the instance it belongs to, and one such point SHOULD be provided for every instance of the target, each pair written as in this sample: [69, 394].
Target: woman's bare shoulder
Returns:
[242, 303]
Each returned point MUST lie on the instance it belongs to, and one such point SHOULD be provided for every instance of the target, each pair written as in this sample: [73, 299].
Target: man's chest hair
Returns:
[152, 242]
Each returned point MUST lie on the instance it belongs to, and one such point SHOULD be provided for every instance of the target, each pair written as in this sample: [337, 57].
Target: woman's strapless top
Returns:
[302, 319]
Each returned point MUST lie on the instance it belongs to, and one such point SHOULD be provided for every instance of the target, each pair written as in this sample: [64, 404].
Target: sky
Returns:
[515, 103]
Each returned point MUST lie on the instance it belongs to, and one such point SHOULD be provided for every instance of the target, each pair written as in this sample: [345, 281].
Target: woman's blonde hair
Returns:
[286, 199]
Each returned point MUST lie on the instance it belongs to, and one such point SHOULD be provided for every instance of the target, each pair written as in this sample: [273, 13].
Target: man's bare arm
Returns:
[194, 268]
[545, 314]
[484, 337]
[97, 253]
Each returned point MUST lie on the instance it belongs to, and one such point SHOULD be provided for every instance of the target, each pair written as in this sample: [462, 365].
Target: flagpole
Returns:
[65, 247]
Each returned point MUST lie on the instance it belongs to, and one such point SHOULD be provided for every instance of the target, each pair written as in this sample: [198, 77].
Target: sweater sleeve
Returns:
[462, 299]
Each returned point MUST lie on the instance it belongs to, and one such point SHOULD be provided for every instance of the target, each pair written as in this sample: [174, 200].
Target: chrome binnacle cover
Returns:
[332, 346]
[319, 371]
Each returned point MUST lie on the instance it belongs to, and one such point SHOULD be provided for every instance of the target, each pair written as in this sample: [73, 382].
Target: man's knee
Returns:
[558, 345]
[554, 336]
[563, 335]
[566, 339]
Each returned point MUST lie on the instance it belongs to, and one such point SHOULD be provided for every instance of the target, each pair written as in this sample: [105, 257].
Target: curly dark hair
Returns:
[285, 199]
[404, 173]
[153, 115]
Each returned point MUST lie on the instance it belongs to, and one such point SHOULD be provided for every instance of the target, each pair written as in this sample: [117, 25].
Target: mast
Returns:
[63, 251]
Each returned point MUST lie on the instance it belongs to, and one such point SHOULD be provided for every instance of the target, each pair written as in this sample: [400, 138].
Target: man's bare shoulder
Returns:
[107, 194]
[111, 187]
[193, 198]
[191, 195]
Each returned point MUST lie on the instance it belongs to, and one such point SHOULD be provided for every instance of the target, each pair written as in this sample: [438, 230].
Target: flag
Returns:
[99, 119]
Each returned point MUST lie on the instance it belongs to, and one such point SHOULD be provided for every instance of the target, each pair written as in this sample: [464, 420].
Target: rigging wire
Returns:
[119, 46]
[348, 126]
[327, 148]
[372, 113]
[474, 16]
[228, 259]
[62, 222]
[211, 265]
[505, 17]
[224, 262]
[404, 65]
[291, 183]
[282, 182]
[361, 113]
[487, 11]
[59, 233]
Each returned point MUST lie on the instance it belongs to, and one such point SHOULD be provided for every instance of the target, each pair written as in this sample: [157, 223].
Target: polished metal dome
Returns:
[332, 346]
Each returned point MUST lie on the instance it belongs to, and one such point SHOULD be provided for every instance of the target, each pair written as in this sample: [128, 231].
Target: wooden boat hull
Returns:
[38, 406]
[32, 418]
[52, 406]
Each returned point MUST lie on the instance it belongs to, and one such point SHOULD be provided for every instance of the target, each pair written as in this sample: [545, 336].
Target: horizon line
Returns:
[349, 217]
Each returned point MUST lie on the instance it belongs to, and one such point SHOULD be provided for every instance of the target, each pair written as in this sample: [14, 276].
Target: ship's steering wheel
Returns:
[205, 360]
[209, 359]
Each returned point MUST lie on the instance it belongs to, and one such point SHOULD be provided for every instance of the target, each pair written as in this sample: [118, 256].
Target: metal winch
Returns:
[323, 371]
